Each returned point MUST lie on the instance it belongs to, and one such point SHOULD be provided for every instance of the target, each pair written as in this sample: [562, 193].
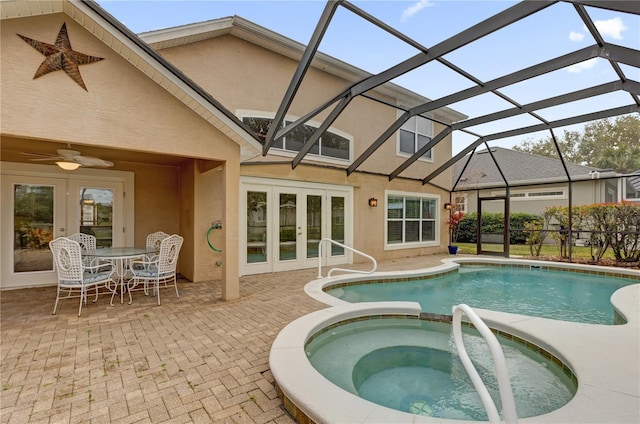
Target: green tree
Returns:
[569, 146]
[607, 143]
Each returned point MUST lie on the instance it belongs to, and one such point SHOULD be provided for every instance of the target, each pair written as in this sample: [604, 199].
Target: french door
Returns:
[283, 226]
[36, 209]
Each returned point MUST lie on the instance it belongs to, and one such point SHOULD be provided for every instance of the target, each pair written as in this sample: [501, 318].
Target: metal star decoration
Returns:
[61, 57]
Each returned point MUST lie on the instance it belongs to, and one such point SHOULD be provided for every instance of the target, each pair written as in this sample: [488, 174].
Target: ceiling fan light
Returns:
[68, 166]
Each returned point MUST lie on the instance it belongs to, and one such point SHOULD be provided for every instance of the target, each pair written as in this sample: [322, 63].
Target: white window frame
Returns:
[412, 195]
[464, 203]
[624, 191]
[243, 113]
[412, 126]
[528, 195]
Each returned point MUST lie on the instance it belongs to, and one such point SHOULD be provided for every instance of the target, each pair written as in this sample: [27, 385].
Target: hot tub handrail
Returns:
[375, 264]
[504, 384]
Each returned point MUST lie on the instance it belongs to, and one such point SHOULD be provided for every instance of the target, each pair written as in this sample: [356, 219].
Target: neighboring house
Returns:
[631, 187]
[535, 182]
[180, 113]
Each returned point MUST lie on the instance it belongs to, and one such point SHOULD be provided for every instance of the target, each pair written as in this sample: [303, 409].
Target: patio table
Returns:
[121, 257]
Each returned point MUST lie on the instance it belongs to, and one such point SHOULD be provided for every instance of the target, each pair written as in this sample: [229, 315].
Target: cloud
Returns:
[582, 66]
[576, 36]
[612, 27]
[415, 8]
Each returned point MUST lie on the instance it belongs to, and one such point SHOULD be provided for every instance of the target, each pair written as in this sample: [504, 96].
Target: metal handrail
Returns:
[504, 384]
[375, 264]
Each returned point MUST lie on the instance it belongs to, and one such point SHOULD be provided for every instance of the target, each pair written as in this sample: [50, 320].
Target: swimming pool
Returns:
[602, 358]
[411, 365]
[532, 291]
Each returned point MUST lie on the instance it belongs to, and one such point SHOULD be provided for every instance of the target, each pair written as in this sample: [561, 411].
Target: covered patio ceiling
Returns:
[615, 94]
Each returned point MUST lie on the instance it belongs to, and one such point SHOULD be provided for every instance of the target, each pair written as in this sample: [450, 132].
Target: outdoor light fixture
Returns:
[448, 206]
[68, 166]
[373, 202]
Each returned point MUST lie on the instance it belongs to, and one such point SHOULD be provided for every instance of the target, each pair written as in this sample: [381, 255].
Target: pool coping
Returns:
[604, 358]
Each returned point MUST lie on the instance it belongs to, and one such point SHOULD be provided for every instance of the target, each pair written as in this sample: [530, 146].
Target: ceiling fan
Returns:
[70, 160]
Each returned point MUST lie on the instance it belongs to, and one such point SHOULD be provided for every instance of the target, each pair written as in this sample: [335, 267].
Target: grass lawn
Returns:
[523, 250]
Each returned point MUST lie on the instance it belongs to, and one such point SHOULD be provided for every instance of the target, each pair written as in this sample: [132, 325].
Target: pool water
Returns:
[411, 365]
[565, 296]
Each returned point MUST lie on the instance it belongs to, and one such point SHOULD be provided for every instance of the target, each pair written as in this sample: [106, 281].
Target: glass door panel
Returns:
[96, 214]
[314, 224]
[288, 226]
[337, 224]
[97, 208]
[34, 214]
[33, 227]
[257, 241]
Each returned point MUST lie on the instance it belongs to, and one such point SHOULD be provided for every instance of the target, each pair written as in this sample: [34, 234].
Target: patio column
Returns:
[230, 261]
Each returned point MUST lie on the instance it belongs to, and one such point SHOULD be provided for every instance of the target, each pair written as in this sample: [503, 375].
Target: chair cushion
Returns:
[151, 272]
[90, 277]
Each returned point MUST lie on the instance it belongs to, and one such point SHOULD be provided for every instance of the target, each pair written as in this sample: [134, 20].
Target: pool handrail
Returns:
[375, 264]
[504, 384]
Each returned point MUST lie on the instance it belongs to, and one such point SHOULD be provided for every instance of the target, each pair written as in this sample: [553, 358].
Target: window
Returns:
[414, 134]
[411, 219]
[330, 144]
[460, 202]
[533, 194]
[632, 188]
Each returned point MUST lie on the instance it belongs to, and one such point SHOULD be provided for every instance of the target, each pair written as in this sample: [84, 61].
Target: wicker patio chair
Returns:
[86, 242]
[73, 275]
[162, 269]
[154, 240]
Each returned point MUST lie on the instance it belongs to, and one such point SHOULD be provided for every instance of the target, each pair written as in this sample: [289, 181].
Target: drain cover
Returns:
[420, 407]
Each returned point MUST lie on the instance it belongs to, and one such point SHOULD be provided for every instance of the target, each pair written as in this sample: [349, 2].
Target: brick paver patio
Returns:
[196, 359]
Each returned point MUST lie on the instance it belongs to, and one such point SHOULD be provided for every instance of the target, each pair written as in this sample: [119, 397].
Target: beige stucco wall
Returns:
[121, 109]
[368, 222]
[243, 76]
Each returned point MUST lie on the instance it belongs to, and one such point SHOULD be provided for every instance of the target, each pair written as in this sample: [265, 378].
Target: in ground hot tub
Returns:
[411, 365]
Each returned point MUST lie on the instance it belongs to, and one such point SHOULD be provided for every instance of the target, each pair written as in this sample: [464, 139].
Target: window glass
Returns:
[337, 224]
[335, 146]
[298, 137]
[411, 219]
[422, 141]
[314, 224]
[407, 142]
[413, 208]
[395, 207]
[256, 226]
[460, 202]
[414, 134]
[33, 227]
[412, 231]
[632, 188]
[394, 232]
[330, 144]
[96, 212]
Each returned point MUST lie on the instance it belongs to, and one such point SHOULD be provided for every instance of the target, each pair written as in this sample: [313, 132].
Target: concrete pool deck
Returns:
[193, 359]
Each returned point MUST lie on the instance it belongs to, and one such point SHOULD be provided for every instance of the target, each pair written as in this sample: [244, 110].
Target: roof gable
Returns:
[128, 45]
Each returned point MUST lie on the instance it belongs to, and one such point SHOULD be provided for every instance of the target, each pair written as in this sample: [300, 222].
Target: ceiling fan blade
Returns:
[92, 161]
[39, 155]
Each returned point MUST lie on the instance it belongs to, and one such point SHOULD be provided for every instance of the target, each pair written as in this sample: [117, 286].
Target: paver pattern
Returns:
[194, 359]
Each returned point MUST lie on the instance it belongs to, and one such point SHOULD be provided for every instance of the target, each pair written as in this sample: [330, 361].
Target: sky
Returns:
[555, 31]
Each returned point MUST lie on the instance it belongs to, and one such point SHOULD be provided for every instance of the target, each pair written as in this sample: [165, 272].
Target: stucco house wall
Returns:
[187, 159]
